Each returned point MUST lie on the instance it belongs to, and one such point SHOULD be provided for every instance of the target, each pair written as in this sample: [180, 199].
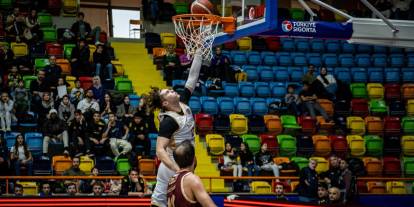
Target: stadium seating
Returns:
[86, 164]
[147, 166]
[238, 124]
[287, 145]
[356, 145]
[322, 145]
[253, 141]
[261, 187]
[215, 144]
[323, 164]
[374, 145]
[60, 164]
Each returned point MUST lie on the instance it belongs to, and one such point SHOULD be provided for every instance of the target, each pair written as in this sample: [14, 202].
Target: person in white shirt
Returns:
[88, 103]
[327, 80]
[6, 112]
[20, 154]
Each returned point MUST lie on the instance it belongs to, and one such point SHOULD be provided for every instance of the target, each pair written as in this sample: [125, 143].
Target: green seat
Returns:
[359, 90]
[300, 161]
[27, 79]
[49, 34]
[45, 19]
[120, 78]
[41, 63]
[408, 167]
[122, 166]
[378, 107]
[287, 145]
[407, 125]
[297, 14]
[124, 86]
[253, 141]
[374, 145]
[181, 8]
[67, 50]
[289, 122]
[6, 4]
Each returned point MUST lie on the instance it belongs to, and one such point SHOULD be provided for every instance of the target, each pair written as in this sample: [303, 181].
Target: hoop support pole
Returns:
[332, 9]
[378, 14]
[308, 9]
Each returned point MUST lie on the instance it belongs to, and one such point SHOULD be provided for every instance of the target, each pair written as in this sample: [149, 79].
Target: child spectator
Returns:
[18, 190]
[116, 187]
[6, 112]
[21, 156]
[230, 161]
[46, 190]
[71, 189]
[66, 110]
[97, 189]
[280, 192]
[323, 197]
[77, 93]
[292, 101]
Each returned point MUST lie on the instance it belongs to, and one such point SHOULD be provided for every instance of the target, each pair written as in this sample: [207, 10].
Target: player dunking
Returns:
[176, 126]
[186, 189]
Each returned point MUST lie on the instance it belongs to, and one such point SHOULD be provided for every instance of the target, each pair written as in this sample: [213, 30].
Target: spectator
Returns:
[292, 101]
[66, 110]
[44, 107]
[264, 161]
[308, 183]
[77, 93]
[328, 81]
[185, 63]
[230, 161]
[52, 71]
[38, 87]
[6, 112]
[125, 111]
[117, 133]
[346, 177]
[247, 159]
[18, 190]
[334, 196]
[400, 9]
[280, 192]
[147, 114]
[220, 67]
[77, 135]
[15, 25]
[61, 89]
[46, 190]
[21, 98]
[74, 170]
[323, 197]
[88, 105]
[13, 77]
[134, 184]
[309, 77]
[95, 133]
[309, 98]
[54, 130]
[94, 173]
[21, 156]
[32, 31]
[71, 189]
[98, 189]
[98, 89]
[80, 59]
[383, 6]
[116, 187]
[4, 157]
[6, 58]
[101, 60]
[107, 106]
[83, 29]
[138, 134]
[333, 176]
[171, 65]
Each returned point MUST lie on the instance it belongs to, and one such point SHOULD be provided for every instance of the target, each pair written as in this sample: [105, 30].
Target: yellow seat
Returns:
[356, 145]
[322, 145]
[273, 124]
[356, 125]
[293, 185]
[92, 49]
[238, 124]
[29, 188]
[376, 187]
[410, 107]
[407, 145]
[119, 67]
[244, 43]
[215, 143]
[71, 81]
[375, 90]
[374, 125]
[261, 187]
[147, 166]
[19, 49]
[396, 187]
[168, 39]
[327, 105]
[373, 166]
[65, 65]
[61, 163]
[86, 164]
[323, 164]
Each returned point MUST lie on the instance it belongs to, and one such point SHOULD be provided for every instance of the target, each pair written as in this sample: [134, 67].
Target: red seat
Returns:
[230, 45]
[273, 43]
[204, 123]
[54, 49]
[180, 42]
[392, 91]
[271, 142]
[339, 146]
[86, 82]
[392, 125]
[360, 107]
[308, 124]
[392, 166]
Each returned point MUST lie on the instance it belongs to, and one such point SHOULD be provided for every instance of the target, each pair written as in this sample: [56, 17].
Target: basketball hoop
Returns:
[198, 31]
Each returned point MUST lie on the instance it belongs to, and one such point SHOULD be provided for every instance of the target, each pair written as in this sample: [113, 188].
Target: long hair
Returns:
[153, 99]
[24, 144]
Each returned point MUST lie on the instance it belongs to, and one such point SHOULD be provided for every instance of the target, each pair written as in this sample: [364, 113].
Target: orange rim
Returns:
[197, 19]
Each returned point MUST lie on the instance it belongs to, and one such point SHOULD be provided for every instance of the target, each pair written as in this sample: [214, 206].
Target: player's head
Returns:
[184, 154]
[162, 98]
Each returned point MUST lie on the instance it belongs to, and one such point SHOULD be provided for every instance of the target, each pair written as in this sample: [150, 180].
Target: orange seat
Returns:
[158, 52]
[408, 91]
[323, 125]
[147, 166]
[374, 125]
[280, 160]
[322, 145]
[373, 166]
[65, 65]
[327, 105]
[273, 124]
[376, 187]
[61, 163]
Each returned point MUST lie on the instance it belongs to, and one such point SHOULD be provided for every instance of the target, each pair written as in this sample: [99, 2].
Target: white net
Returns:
[197, 33]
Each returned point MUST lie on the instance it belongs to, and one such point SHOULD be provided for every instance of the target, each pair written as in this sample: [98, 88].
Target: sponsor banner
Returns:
[315, 29]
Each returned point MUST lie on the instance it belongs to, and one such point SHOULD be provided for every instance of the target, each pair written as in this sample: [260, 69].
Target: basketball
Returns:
[202, 7]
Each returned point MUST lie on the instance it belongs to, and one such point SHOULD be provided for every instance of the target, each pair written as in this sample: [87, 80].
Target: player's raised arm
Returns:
[194, 71]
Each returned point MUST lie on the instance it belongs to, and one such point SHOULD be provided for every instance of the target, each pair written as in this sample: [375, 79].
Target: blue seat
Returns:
[396, 50]
[278, 89]
[332, 46]
[361, 48]
[153, 138]
[379, 60]
[346, 60]
[178, 85]
[42, 166]
[269, 59]
[134, 100]
[105, 165]
[281, 73]
[34, 141]
[246, 89]
[231, 89]
[302, 45]
[209, 105]
[317, 45]
[343, 74]
[242, 106]
[331, 61]
[266, 53]
[251, 72]
[363, 60]
[348, 48]
[296, 74]
[10, 138]
[266, 73]
[254, 59]
[407, 75]
[380, 49]
[226, 53]
[315, 60]
[239, 59]
[359, 75]
[397, 60]
[410, 61]
[392, 75]
[262, 90]
[288, 44]
[300, 60]
[195, 104]
[259, 106]
[375, 75]
[226, 105]
[285, 60]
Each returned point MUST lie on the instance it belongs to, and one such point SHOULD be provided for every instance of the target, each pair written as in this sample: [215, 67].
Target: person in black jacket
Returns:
[83, 29]
[55, 129]
[53, 71]
[247, 159]
[4, 157]
[101, 60]
[80, 59]
[134, 184]
[308, 183]
[138, 134]
[333, 176]
[77, 135]
[264, 161]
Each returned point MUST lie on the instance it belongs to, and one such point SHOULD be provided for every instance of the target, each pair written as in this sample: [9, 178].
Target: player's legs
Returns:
[159, 196]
